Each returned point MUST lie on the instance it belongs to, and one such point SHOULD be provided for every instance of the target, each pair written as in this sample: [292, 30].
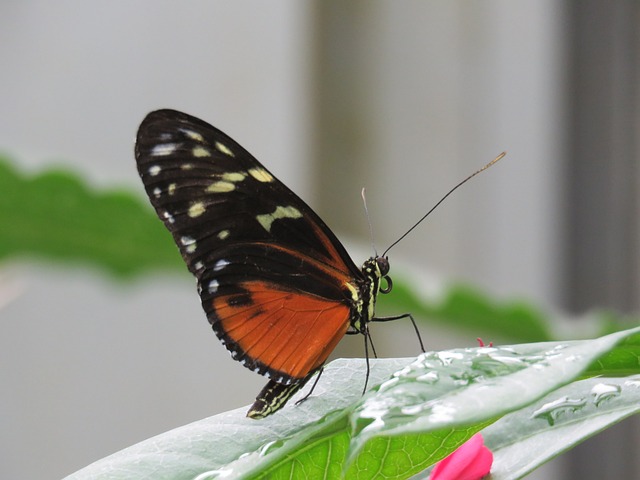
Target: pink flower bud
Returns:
[471, 461]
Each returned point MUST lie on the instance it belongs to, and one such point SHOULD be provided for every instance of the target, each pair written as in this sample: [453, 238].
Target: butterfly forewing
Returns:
[275, 282]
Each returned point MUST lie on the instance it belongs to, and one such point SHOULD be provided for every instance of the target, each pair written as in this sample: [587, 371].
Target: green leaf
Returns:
[54, 215]
[466, 387]
[417, 415]
[623, 360]
[524, 440]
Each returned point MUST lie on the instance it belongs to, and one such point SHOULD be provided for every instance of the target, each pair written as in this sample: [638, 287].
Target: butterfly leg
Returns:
[398, 317]
[367, 340]
[367, 334]
[312, 388]
[373, 347]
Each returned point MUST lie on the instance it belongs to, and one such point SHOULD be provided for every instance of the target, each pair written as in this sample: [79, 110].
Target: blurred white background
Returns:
[405, 98]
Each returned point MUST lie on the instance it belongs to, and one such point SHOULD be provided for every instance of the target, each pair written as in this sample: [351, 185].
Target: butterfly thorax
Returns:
[373, 271]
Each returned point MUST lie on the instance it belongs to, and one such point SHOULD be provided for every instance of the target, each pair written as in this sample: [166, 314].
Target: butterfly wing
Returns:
[275, 282]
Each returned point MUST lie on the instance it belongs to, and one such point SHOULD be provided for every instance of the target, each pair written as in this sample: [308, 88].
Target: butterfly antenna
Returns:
[366, 211]
[492, 162]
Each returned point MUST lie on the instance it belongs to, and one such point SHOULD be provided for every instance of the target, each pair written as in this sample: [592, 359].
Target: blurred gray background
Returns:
[405, 98]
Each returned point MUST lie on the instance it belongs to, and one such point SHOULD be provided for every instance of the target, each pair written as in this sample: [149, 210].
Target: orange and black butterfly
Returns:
[278, 287]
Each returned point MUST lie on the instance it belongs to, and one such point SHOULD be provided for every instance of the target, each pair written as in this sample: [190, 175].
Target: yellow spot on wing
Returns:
[281, 212]
[172, 188]
[194, 135]
[224, 149]
[355, 295]
[261, 175]
[196, 209]
[234, 176]
[221, 187]
[223, 234]
[189, 243]
[200, 152]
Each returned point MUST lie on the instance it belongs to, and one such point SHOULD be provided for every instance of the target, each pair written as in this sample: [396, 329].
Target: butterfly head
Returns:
[375, 269]
[383, 268]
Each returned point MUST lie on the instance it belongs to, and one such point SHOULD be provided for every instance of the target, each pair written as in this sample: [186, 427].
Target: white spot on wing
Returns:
[224, 149]
[198, 266]
[168, 217]
[187, 240]
[186, 166]
[213, 286]
[163, 149]
[157, 192]
[154, 170]
[280, 212]
[220, 264]
[189, 244]
[196, 209]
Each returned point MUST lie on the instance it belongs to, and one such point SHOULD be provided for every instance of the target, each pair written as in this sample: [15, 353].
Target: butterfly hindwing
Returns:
[276, 284]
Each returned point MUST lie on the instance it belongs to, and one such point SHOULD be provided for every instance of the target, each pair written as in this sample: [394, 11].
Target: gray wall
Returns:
[405, 98]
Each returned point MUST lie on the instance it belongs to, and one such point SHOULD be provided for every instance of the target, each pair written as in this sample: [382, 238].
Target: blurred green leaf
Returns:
[621, 361]
[465, 308]
[54, 215]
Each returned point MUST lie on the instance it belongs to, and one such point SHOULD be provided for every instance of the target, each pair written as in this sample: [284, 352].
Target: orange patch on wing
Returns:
[336, 259]
[290, 332]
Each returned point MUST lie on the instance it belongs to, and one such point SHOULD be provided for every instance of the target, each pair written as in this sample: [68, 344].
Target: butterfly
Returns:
[278, 288]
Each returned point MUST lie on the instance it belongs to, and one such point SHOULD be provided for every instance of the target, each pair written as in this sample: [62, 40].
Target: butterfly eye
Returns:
[383, 265]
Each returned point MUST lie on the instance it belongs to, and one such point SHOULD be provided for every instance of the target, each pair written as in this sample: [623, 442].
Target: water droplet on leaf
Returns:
[604, 391]
[552, 411]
